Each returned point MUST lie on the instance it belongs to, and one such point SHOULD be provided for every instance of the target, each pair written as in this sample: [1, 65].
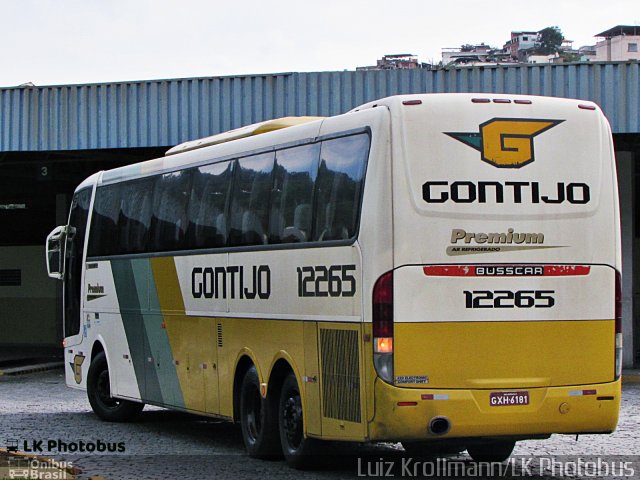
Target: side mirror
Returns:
[55, 252]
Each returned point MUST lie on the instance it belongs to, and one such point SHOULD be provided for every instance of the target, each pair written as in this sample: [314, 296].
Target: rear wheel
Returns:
[298, 450]
[497, 451]
[258, 418]
[99, 392]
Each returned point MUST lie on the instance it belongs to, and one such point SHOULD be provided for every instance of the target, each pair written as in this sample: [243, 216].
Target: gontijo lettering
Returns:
[231, 282]
[441, 191]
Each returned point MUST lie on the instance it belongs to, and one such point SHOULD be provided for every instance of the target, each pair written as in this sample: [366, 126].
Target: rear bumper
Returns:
[551, 410]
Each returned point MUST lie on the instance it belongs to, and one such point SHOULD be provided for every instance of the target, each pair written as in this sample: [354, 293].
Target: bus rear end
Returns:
[500, 320]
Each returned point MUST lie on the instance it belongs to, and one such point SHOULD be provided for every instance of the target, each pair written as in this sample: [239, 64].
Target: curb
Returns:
[40, 367]
[631, 377]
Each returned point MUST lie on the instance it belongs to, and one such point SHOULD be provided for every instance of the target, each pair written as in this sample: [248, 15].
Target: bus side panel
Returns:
[156, 353]
[273, 308]
[178, 325]
[112, 312]
[320, 286]
[190, 345]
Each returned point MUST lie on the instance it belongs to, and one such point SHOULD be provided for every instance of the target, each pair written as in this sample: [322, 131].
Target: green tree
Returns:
[570, 57]
[549, 39]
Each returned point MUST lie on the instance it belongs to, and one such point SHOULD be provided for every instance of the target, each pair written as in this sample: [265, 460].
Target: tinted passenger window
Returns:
[292, 194]
[170, 201]
[299, 194]
[208, 206]
[135, 215]
[339, 187]
[249, 216]
[104, 235]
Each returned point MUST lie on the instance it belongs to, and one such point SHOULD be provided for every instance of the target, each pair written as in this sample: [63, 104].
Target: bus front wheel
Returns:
[99, 392]
[258, 418]
[298, 450]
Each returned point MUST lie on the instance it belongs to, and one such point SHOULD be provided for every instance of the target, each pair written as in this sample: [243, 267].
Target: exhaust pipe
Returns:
[439, 425]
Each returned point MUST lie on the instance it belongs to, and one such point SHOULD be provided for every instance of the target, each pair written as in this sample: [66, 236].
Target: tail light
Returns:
[383, 327]
[618, 327]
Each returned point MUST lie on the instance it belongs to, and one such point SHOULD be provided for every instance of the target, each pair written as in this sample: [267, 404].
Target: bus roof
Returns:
[242, 132]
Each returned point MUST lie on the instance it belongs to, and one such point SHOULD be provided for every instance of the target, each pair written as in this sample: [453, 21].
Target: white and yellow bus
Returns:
[439, 270]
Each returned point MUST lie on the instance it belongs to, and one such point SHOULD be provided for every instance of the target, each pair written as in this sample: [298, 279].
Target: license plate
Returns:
[507, 399]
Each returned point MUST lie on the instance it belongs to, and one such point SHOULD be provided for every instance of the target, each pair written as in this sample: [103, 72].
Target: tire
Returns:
[258, 419]
[491, 451]
[299, 452]
[432, 449]
[99, 393]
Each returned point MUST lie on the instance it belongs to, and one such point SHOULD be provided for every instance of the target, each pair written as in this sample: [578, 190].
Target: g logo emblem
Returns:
[506, 142]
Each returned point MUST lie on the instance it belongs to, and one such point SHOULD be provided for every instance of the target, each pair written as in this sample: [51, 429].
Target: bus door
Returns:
[73, 258]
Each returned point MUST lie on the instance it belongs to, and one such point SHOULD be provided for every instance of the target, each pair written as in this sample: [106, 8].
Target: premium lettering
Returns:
[95, 289]
[508, 237]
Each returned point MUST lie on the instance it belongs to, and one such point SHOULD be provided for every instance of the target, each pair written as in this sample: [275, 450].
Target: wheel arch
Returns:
[280, 367]
[279, 370]
[244, 362]
[96, 348]
[283, 365]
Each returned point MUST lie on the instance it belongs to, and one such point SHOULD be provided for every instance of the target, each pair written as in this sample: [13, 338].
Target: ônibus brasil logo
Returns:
[506, 142]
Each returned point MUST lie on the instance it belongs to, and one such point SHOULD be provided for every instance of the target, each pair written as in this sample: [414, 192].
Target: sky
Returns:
[53, 42]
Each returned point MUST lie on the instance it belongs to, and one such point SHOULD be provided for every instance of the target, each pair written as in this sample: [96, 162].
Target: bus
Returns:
[440, 270]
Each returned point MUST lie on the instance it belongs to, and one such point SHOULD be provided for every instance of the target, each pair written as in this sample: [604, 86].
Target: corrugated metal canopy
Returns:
[168, 112]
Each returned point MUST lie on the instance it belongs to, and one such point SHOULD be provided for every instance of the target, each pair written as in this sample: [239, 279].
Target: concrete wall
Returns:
[28, 311]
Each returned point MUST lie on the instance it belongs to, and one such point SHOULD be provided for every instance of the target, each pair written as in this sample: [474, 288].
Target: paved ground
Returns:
[165, 444]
